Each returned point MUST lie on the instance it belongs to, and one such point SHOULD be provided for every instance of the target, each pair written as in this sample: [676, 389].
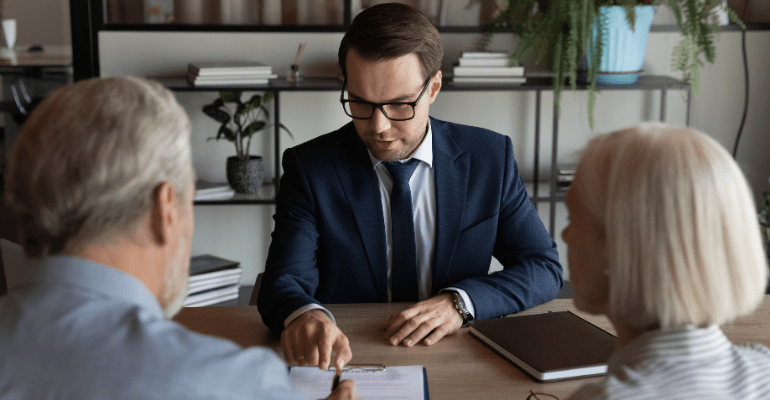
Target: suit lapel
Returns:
[451, 166]
[361, 187]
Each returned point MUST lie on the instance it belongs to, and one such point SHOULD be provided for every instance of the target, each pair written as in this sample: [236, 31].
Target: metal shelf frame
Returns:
[536, 84]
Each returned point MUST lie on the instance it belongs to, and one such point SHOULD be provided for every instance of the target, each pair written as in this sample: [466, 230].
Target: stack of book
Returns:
[487, 68]
[566, 176]
[213, 281]
[229, 73]
[205, 190]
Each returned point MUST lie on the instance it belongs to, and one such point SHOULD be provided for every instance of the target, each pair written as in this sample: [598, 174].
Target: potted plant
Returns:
[239, 122]
[567, 31]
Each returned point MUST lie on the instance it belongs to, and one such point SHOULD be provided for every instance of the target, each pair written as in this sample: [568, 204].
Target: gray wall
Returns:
[40, 21]
[243, 232]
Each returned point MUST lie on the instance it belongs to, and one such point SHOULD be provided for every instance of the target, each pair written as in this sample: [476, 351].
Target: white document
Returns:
[391, 383]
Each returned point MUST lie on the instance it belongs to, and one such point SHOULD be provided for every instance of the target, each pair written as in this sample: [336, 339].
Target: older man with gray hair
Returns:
[101, 183]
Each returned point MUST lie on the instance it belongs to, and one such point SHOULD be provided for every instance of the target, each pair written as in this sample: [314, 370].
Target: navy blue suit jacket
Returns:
[329, 245]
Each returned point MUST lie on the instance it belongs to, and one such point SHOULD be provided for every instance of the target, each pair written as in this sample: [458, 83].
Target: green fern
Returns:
[563, 31]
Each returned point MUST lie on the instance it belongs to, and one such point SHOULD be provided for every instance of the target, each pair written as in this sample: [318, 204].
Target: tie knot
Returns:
[401, 172]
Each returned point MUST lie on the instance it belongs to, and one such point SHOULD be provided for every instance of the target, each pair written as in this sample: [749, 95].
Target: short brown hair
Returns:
[392, 30]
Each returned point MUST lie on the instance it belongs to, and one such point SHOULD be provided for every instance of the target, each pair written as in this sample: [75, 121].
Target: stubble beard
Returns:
[175, 282]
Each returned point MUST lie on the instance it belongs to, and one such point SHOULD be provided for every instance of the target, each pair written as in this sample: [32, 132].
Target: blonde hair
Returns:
[89, 159]
[680, 223]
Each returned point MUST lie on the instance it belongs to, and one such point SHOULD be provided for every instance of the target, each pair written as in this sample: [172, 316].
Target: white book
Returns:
[246, 82]
[202, 286]
[215, 275]
[485, 54]
[215, 300]
[489, 79]
[484, 62]
[233, 77]
[204, 188]
[196, 299]
[228, 67]
[488, 71]
[224, 195]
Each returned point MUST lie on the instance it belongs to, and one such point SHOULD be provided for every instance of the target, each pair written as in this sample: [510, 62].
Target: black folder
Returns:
[550, 346]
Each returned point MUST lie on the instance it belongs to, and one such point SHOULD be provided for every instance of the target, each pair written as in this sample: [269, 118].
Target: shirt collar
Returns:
[93, 277]
[424, 151]
[687, 343]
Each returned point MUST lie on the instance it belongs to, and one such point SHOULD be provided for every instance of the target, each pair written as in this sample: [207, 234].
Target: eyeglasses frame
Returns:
[382, 105]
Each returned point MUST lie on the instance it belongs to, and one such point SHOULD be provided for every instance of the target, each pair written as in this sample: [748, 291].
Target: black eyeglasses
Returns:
[541, 396]
[396, 111]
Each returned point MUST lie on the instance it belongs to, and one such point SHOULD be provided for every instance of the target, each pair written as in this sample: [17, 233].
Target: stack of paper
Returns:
[487, 68]
[566, 176]
[229, 73]
[205, 190]
[213, 280]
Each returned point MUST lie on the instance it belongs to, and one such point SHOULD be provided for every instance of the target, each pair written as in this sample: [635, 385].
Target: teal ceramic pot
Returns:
[245, 176]
[624, 49]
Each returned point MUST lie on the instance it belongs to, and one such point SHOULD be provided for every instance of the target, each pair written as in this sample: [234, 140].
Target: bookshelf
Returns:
[540, 191]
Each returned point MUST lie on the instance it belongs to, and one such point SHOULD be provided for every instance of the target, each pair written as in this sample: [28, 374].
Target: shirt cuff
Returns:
[466, 299]
[304, 309]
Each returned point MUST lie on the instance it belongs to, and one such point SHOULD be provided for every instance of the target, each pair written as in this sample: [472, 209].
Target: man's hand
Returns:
[346, 390]
[310, 340]
[437, 315]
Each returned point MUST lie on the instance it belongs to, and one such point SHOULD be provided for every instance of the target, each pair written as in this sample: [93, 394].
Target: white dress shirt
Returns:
[423, 187]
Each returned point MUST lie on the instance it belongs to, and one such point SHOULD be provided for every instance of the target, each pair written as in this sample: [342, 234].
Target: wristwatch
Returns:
[460, 307]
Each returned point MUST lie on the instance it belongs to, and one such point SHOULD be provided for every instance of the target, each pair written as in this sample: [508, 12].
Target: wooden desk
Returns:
[459, 366]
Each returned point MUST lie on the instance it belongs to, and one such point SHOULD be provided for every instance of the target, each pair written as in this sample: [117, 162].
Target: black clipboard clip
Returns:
[362, 367]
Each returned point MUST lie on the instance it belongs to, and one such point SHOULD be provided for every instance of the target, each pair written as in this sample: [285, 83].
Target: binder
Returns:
[550, 346]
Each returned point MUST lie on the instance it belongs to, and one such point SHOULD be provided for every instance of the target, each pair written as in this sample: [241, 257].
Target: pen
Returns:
[336, 381]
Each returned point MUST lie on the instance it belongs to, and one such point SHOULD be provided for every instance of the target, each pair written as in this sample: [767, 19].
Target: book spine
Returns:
[484, 54]
[488, 71]
[484, 62]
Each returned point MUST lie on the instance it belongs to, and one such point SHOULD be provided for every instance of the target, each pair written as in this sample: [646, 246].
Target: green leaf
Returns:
[229, 96]
[218, 115]
[253, 103]
[254, 127]
[267, 97]
[227, 133]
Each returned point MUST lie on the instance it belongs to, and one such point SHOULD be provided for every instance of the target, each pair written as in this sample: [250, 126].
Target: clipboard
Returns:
[316, 383]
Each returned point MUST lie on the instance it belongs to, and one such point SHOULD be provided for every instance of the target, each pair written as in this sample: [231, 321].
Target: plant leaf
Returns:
[230, 96]
[286, 129]
[267, 97]
[217, 114]
[254, 127]
[253, 103]
[227, 133]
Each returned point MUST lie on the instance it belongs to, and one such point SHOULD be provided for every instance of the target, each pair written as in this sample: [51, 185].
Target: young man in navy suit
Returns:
[345, 231]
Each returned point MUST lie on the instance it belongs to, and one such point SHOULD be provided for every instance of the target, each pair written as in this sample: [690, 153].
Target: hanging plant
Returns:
[563, 29]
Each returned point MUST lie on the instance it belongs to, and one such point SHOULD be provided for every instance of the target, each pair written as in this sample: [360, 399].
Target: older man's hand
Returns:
[434, 318]
[312, 338]
[345, 391]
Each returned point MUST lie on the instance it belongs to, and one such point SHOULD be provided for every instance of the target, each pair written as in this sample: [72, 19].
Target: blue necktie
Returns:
[403, 271]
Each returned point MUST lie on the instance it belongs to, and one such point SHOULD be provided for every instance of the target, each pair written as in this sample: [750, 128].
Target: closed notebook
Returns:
[550, 346]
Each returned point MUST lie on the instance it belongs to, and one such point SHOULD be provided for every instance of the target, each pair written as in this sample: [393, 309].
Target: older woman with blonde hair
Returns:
[663, 239]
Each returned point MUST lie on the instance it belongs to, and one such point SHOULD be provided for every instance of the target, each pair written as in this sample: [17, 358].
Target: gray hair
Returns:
[681, 227]
[89, 159]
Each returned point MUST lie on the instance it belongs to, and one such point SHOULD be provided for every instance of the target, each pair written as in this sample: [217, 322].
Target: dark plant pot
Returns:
[245, 176]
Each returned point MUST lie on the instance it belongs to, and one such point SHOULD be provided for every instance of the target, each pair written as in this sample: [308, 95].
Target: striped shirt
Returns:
[684, 363]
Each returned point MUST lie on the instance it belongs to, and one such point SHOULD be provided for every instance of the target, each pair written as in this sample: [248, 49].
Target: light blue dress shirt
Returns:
[82, 330]
[423, 188]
